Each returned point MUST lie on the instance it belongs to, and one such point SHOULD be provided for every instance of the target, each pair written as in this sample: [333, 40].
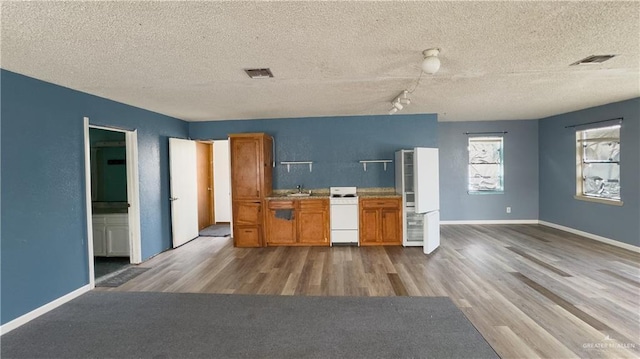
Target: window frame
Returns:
[581, 141]
[501, 189]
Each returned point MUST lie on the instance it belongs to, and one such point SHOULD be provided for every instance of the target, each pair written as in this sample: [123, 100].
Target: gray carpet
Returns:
[122, 277]
[180, 325]
[216, 230]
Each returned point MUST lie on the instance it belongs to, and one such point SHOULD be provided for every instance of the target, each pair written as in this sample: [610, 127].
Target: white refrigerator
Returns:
[417, 180]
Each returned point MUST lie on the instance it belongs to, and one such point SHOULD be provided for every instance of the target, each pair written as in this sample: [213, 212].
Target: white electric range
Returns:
[344, 215]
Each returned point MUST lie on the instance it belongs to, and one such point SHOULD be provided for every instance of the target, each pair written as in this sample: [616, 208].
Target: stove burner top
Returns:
[343, 195]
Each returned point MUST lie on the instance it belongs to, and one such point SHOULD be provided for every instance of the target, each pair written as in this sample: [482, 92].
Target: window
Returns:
[486, 165]
[598, 163]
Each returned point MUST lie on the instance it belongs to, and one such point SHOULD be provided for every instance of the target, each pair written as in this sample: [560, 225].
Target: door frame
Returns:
[133, 194]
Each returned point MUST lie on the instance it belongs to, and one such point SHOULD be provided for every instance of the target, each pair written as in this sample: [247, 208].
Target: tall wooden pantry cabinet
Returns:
[251, 182]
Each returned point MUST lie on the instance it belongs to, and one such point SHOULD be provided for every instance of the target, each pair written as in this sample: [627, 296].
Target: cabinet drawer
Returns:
[380, 203]
[247, 237]
[117, 219]
[278, 204]
[98, 219]
[313, 204]
[247, 213]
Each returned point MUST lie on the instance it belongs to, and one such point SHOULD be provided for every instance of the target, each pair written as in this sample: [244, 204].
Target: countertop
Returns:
[323, 193]
[379, 195]
[109, 207]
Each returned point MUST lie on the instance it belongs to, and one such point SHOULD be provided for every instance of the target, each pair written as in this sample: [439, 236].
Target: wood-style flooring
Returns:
[530, 290]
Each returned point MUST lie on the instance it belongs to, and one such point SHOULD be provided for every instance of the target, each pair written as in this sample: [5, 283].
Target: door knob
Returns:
[173, 198]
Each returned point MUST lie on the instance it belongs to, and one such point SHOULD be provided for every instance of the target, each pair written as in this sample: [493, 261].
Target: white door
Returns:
[426, 183]
[183, 182]
[431, 231]
[222, 181]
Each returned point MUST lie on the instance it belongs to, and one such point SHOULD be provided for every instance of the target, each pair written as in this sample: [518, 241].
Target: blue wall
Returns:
[558, 174]
[334, 144]
[520, 172]
[44, 250]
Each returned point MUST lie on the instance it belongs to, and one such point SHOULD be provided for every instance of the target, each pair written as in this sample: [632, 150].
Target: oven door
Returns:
[344, 216]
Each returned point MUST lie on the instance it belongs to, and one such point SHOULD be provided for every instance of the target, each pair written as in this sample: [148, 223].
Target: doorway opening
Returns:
[112, 200]
[214, 203]
[199, 181]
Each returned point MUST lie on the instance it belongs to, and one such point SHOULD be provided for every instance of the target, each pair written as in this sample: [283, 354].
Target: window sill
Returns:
[611, 202]
[484, 192]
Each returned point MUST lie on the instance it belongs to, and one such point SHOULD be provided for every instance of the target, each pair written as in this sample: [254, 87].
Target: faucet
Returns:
[299, 188]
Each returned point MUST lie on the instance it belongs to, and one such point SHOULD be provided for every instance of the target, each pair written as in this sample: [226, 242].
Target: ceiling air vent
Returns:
[593, 59]
[259, 73]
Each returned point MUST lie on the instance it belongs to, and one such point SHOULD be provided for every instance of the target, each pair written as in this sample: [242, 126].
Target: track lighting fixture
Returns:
[430, 65]
[404, 98]
[400, 102]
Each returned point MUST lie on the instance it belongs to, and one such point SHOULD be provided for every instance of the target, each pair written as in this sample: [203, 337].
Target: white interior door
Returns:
[222, 181]
[184, 190]
[426, 179]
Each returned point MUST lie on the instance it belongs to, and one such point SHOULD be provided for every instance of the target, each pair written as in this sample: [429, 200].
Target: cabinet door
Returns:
[369, 226]
[247, 236]
[267, 166]
[391, 226]
[281, 223]
[117, 241]
[313, 222]
[246, 162]
[99, 247]
[247, 213]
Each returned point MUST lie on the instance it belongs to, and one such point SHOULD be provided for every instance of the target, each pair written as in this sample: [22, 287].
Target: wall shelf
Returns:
[384, 162]
[289, 163]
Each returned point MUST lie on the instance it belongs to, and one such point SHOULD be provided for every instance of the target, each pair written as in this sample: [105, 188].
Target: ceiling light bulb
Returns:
[431, 62]
[393, 110]
[398, 105]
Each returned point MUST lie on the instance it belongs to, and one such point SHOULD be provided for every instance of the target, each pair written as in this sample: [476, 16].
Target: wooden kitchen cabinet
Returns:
[251, 181]
[281, 224]
[247, 223]
[380, 221]
[251, 165]
[313, 222]
[298, 222]
[247, 236]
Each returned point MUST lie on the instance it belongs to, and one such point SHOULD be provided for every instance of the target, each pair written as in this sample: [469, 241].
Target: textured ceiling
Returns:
[500, 60]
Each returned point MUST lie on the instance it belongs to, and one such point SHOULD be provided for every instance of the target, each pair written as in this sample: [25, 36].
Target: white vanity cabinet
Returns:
[111, 235]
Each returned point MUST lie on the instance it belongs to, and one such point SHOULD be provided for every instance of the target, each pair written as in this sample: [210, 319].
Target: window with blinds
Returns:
[598, 163]
[486, 172]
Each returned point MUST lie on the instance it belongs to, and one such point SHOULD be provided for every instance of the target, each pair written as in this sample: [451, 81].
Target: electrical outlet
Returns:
[508, 209]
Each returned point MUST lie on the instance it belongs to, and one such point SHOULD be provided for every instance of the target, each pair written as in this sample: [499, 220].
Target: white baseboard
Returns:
[6, 328]
[493, 221]
[595, 237]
